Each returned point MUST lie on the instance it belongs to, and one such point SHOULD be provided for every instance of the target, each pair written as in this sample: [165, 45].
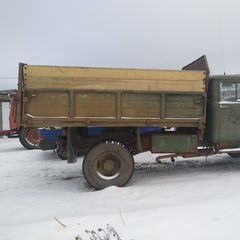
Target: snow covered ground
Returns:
[192, 199]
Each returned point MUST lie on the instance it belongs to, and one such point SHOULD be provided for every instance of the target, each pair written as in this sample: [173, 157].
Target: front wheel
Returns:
[28, 137]
[108, 163]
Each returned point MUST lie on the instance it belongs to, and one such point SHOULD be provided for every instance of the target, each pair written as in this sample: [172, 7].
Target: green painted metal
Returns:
[165, 143]
[223, 108]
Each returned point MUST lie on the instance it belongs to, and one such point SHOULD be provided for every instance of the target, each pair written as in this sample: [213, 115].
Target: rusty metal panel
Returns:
[199, 64]
[167, 143]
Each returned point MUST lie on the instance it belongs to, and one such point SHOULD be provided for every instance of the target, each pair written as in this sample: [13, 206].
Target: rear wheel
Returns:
[60, 153]
[61, 147]
[61, 150]
[28, 137]
[108, 163]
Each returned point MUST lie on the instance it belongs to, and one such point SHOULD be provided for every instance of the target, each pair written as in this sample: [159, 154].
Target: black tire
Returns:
[234, 155]
[28, 137]
[60, 155]
[108, 163]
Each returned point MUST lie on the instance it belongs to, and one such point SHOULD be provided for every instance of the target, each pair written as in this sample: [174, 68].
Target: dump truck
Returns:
[199, 114]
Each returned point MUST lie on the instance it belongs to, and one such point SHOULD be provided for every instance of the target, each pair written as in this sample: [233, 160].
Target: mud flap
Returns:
[71, 158]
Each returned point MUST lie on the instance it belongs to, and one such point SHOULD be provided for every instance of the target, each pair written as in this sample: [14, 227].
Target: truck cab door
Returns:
[229, 111]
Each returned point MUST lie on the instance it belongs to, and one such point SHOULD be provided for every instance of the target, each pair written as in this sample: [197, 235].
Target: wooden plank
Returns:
[95, 104]
[54, 77]
[49, 104]
[184, 106]
[141, 105]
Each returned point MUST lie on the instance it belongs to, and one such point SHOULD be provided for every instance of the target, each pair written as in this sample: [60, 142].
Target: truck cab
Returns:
[223, 111]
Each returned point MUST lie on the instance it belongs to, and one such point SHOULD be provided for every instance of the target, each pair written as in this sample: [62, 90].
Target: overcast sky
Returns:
[153, 34]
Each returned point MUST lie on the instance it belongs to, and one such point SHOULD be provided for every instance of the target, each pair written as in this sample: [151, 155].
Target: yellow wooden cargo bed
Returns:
[51, 77]
[79, 96]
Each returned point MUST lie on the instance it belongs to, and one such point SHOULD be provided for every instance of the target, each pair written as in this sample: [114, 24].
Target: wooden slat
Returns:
[48, 104]
[183, 106]
[141, 105]
[95, 104]
[54, 77]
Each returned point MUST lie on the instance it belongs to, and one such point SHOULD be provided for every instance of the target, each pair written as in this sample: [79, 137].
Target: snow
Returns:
[190, 199]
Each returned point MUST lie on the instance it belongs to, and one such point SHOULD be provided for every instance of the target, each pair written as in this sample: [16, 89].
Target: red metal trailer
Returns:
[27, 136]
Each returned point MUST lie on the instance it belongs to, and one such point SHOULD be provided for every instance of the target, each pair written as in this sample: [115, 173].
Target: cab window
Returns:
[229, 92]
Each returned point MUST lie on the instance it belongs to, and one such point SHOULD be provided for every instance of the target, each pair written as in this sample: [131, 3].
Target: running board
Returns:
[200, 153]
[230, 150]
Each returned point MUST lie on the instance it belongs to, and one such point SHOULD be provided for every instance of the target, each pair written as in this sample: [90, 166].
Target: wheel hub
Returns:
[108, 165]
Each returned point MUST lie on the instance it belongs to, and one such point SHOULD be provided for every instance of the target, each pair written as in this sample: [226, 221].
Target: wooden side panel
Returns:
[95, 104]
[141, 105]
[50, 104]
[184, 105]
[54, 77]
[118, 105]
